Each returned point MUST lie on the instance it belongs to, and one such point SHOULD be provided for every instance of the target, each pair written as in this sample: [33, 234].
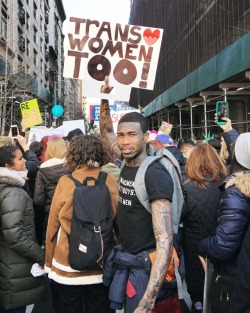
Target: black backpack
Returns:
[91, 237]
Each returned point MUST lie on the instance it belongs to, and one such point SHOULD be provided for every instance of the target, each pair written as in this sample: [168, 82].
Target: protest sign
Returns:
[165, 128]
[71, 125]
[116, 116]
[36, 134]
[30, 113]
[94, 110]
[128, 54]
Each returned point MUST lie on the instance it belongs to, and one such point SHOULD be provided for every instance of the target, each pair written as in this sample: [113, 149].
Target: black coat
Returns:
[240, 300]
[199, 222]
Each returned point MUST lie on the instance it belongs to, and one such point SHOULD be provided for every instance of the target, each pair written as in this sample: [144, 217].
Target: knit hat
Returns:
[165, 139]
[152, 135]
[242, 150]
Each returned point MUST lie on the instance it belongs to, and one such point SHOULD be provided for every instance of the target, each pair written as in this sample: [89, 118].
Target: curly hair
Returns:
[205, 160]
[86, 150]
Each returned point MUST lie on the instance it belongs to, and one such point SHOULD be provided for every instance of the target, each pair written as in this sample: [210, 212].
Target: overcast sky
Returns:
[103, 10]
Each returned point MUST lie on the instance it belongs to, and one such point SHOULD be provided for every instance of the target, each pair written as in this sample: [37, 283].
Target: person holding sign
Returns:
[140, 231]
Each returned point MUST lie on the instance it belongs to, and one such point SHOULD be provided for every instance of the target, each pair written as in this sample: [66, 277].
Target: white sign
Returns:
[128, 54]
[71, 125]
[36, 134]
[116, 116]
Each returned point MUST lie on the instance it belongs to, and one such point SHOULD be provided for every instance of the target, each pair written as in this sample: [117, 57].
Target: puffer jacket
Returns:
[233, 218]
[18, 247]
[47, 178]
[59, 227]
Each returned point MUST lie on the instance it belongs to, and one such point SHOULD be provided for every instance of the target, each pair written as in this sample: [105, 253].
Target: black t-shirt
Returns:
[134, 221]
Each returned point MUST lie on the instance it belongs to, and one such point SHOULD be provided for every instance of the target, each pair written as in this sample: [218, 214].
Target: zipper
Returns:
[225, 215]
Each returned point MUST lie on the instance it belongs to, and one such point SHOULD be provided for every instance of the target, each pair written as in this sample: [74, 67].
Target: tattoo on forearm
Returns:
[163, 230]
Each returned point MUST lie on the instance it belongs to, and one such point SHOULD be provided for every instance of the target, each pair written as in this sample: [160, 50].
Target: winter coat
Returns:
[18, 247]
[112, 169]
[59, 227]
[32, 164]
[233, 218]
[47, 178]
[240, 300]
[199, 222]
[181, 160]
[230, 137]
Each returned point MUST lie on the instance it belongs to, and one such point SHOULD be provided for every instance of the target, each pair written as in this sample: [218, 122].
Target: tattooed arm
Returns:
[163, 231]
[105, 123]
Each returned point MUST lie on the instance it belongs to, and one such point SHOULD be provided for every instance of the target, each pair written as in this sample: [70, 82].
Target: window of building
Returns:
[35, 9]
[20, 64]
[42, 66]
[35, 57]
[4, 25]
[19, 6]
[35, 34]
[27, 21]
[41, 45]
[28, 48]
[41, 23]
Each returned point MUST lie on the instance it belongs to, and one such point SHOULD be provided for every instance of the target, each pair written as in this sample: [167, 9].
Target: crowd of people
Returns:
[36, 205]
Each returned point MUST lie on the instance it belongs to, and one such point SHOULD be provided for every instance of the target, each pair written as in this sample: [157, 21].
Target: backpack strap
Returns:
[140, 187]
[102, 178]
[172, 159]
[77, 183]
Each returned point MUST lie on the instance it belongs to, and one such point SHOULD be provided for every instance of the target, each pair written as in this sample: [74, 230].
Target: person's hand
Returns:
[105, 87]
[226, 127]
[203, 262]
[22, 141]
[23, 124]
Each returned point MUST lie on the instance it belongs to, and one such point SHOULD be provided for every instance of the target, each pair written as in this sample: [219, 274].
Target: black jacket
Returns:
[199, 222]
[47, 178]
[240, 300]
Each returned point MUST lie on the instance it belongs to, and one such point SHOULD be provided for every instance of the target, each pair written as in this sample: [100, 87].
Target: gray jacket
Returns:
[18, 247]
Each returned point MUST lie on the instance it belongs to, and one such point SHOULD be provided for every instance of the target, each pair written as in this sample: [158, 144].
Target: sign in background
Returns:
[94, 110]
[128, 54]
[31, 113]
[116, 112]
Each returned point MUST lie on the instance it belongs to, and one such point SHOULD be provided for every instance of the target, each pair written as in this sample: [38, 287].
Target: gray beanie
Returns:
[242, 150]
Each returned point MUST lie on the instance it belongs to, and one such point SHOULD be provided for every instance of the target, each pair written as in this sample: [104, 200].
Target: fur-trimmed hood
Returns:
[10, 178]
[52, 162]
[241, 181]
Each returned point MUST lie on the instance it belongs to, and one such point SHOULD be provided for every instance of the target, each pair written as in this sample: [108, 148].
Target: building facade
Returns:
[31, 57]
[204, 58]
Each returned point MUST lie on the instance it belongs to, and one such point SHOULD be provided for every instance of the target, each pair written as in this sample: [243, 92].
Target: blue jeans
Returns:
[18, 310]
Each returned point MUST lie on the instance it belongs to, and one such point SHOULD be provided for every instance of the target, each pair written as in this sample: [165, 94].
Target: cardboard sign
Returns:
[116, 116]
[94, 110]
[165, 127]
[36, 134]
[128, 54]
[30, 113]
[71, 125]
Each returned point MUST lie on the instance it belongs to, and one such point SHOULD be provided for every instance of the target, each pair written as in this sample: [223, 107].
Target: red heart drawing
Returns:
[151, 37]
